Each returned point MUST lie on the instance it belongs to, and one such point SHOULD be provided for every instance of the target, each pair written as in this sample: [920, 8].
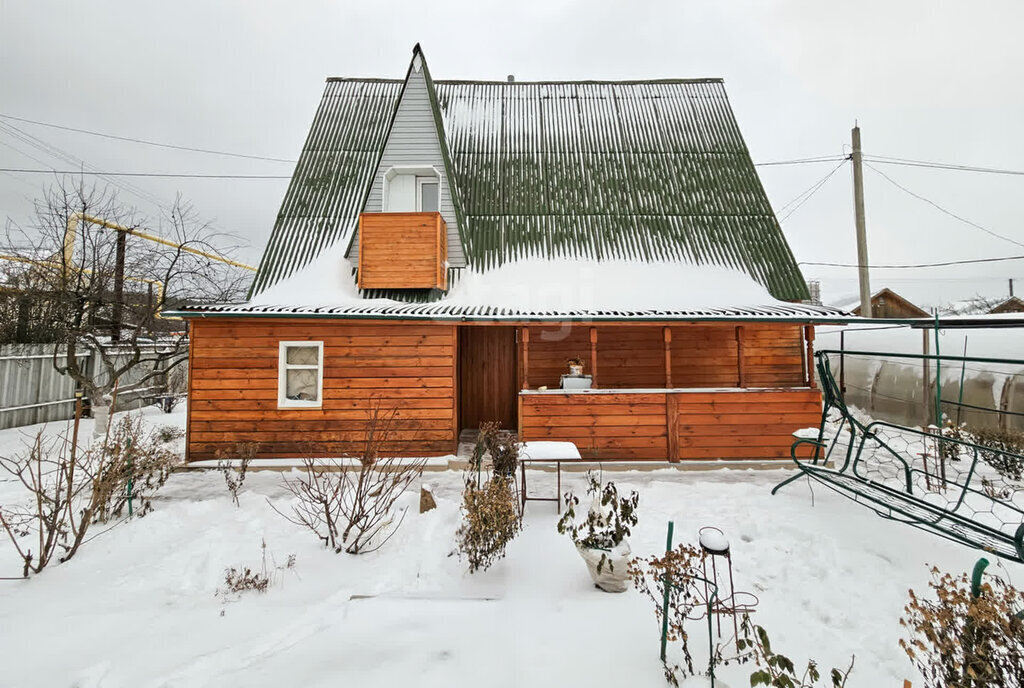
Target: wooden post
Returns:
[740, 374]
[456, 381]
[115, 316]
[672, 417]
[668, 357]
[809, 360]
[526, 357]
[926, 392]
[593, 357]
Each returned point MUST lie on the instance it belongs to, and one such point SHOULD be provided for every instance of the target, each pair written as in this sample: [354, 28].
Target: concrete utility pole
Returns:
[862, 239]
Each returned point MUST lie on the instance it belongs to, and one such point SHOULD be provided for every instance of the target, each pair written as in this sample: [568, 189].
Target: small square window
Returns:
[300, 375]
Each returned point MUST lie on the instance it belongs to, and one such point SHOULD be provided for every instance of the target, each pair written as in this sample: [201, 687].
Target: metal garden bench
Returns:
[921, 477]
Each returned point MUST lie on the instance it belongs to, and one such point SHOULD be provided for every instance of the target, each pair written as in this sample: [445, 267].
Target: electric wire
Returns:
[914, 265]
[801, 161]
[906, 162]
[145, 141]
[806, 195]
[175, 175]
[940, 208]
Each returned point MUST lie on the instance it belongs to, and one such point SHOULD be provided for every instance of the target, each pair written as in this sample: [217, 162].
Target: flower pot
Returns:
[575, 370]
[612, 576]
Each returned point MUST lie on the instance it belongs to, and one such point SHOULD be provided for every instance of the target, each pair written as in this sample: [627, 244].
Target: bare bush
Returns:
[960, 639]
[65, 489]
[349, 503]
[775, 669]
[235, 477]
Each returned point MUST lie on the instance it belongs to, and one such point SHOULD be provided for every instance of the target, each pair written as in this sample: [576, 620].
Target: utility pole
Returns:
[1011, 287]
[862, 239]
[116, 317]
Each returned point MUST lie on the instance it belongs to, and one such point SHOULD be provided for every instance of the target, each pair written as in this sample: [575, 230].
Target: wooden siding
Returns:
[674, 425]
[487, 376]
[234, 382]
[697, 355]
[602, 426]
[413, 142]
[402, 251]
[550, 346]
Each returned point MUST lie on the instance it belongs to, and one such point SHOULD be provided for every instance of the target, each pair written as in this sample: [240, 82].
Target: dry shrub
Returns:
[492, 519]
[136, 465]
[1002, 450]
[501, 445]
[244, 579]
[349, 503]
[958, 640]
[234, 478]
[675, 569]
[66, 489]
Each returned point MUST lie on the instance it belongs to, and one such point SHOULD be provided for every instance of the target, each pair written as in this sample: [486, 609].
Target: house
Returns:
[1011, 305]
[444, 247]
[885, 303]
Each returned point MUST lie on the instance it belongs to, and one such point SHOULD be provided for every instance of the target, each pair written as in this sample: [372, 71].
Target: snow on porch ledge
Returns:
[539, 289]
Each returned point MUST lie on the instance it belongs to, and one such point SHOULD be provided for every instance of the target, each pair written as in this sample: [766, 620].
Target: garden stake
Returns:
[128, 448]
[664, 606]
[979, 568]
[963, 370]
[938, 376]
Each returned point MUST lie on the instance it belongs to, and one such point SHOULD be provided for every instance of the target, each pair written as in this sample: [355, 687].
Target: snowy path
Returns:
[137, 606]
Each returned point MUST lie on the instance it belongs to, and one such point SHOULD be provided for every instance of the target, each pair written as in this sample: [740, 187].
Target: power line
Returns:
[147, 174]
[940, 208]
[808, 193]
[144, 141]
[916, 265]
[906, 162]
[802, 161]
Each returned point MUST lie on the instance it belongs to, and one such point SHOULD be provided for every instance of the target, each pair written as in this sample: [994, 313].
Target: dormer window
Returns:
[412, 190]
[406, 246]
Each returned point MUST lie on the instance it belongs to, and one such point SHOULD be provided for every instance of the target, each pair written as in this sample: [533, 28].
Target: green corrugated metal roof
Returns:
[649, 170]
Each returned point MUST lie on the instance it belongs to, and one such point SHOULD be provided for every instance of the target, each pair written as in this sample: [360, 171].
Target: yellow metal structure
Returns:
[72, 229]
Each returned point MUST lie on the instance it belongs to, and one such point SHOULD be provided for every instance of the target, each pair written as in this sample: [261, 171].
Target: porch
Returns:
[676, 392]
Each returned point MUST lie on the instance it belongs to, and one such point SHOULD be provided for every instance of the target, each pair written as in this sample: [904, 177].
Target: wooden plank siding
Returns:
[406, 366]
[402, 251]
[673, 425]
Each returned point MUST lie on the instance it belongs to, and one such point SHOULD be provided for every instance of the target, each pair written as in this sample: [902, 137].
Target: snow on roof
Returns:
[538, 287]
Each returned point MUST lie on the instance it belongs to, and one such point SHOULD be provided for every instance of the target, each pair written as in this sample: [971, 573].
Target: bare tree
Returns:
[104, 288]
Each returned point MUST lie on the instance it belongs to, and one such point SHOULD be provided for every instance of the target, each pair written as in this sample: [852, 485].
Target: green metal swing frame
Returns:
[906, 503]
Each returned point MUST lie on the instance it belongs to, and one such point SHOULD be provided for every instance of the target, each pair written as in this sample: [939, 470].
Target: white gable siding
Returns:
[413, 143]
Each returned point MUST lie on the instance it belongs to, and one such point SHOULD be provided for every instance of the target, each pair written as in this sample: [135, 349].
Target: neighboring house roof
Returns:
[638, 170]
[1011, 305]
[886, 300]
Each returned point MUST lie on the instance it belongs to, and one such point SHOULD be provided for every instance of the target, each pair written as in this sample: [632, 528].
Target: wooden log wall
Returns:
[677, 425]
[233, 387]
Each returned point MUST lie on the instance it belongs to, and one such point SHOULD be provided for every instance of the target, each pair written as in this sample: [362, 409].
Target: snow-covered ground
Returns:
[138, 606]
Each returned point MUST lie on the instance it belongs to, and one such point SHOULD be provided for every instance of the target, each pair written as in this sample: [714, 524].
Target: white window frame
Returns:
[282, 378]
[391, 172]
[420, 181]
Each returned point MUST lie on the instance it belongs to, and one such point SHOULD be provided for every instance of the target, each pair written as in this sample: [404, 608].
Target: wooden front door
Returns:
[488, 388]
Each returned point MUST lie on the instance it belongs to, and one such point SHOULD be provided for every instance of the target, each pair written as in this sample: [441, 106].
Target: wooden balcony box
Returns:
[402, 251]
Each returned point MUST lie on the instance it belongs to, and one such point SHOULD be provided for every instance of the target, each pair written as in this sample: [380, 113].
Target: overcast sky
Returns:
[927, 80]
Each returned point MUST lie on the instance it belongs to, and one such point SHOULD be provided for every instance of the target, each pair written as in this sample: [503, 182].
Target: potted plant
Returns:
[600, 538]
[575, 366]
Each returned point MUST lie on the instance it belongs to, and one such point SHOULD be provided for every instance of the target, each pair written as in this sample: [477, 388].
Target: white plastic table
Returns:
[546, 452]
